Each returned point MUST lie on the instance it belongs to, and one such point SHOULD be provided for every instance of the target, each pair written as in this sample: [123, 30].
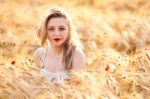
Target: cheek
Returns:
[49, 35]
[65, 34]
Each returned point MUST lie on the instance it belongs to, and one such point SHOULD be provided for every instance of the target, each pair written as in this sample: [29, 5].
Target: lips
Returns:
[56, 39]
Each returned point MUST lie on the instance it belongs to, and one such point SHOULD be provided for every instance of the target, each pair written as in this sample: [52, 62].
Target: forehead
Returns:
[58, 21]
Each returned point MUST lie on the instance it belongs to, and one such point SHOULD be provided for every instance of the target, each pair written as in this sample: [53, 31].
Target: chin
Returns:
[58, 44]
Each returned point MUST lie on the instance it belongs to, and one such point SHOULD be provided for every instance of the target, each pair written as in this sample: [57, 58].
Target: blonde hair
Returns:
[72, 41]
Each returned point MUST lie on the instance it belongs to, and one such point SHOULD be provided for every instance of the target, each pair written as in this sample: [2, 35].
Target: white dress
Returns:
[53, 77]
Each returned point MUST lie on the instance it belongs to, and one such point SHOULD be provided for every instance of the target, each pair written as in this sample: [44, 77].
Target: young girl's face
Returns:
[57, 30]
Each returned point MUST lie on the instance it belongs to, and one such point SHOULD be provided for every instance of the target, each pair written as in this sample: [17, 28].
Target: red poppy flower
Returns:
[107, 68]
[13, 62]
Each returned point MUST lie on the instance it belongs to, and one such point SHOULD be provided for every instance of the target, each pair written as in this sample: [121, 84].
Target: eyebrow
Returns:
[53, 26]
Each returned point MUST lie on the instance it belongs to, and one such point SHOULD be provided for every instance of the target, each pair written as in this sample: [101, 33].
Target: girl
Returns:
[61, 51]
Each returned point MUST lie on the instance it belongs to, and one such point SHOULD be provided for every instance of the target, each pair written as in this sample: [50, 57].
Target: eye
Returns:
[50, 29]
[62, 29]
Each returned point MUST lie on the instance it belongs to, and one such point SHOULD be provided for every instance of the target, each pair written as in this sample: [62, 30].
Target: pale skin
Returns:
[57, 30]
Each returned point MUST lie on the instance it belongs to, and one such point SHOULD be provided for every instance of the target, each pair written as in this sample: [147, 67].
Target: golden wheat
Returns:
[117, 46]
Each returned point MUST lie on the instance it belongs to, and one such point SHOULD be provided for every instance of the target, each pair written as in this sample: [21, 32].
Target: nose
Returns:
[57, 32]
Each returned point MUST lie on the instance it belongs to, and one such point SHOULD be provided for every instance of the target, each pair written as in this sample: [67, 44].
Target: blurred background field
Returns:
[116, 39]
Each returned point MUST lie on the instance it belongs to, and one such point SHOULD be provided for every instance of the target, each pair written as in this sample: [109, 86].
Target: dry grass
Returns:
[116, 38]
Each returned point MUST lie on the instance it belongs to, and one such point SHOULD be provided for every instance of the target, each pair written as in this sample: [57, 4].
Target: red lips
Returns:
[56, 39]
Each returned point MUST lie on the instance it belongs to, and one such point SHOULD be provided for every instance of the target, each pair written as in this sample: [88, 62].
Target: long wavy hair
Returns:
[72, 41]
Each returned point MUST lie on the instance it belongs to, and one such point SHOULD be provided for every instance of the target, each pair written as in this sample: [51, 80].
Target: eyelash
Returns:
[52, 29]
[61, 29]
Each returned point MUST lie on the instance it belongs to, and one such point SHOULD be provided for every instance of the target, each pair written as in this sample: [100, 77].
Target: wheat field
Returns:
[116, 39]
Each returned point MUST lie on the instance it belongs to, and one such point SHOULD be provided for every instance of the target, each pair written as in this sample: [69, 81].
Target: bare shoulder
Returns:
[79, 60]
[38, 55]
[39, 52]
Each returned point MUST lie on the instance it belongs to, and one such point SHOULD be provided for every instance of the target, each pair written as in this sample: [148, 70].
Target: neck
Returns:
[56, 49]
